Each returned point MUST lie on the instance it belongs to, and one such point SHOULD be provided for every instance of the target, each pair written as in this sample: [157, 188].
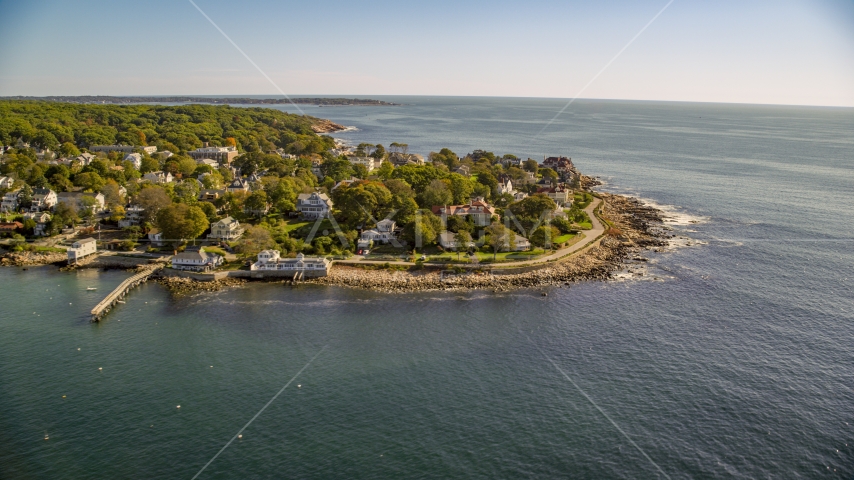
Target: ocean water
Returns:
[730, 358]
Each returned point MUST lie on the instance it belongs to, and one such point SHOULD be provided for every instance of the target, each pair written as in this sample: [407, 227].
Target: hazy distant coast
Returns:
[212, 100]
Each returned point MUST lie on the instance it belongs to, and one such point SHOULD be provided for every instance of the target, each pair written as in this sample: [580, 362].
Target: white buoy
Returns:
[239, 435]
[299, 386]
[99, 368]
[78, 349]
[179, 406]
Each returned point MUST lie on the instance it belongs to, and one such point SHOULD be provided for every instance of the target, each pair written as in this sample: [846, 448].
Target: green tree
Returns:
[255, 239]
[548, 174]
[152, 199]
[69, 150]
[436, 193]
[544, 236]
[463, 241]
[210, 211]
[531, 165]
[112, 193]
[180, 222]
[499, 238]
[187, 191]
[256, 203]
[149, 164]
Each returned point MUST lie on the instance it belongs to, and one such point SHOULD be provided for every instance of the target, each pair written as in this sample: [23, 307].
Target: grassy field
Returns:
[295, 224]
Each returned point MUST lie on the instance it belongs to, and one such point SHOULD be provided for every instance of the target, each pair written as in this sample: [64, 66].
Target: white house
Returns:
[238, 185]
[158, 177]
[384, 232]
[41, 219]
[75, 199]
[155, 236]
[82, 248]
[226, 229]
[85, 158]
[10, 201]
[270, 260]
[197, 260]
[133, 216]
[43, 199]
[314, 205]
[448, 241]
[522, 243]
[505, 185]
[6, 182]
[135, 159]
[369, 162]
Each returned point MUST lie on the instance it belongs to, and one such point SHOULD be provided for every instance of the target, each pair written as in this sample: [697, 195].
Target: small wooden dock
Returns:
[107, 303]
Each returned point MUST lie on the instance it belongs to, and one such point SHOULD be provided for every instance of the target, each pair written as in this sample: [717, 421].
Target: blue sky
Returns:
[783, 52]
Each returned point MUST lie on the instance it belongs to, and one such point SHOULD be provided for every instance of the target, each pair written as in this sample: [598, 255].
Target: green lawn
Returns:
[295, 224]
[563, 238]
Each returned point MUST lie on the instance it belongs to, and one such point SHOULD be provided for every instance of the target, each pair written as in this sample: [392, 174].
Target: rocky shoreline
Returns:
[31, 259]
[179, 286]
[327, 126]
[636, 228]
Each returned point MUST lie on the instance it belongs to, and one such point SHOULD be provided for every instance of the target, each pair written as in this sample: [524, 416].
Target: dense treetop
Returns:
[174, 128]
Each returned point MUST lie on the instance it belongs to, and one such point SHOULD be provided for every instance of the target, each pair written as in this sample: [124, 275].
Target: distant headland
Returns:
[320, 101]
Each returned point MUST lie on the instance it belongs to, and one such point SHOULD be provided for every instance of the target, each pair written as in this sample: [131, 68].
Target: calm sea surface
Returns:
[733, 357]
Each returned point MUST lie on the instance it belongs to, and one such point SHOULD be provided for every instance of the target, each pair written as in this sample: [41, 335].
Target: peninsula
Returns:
[221, 194]
[109, 100]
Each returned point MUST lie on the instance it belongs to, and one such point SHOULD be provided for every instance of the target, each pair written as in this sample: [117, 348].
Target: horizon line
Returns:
[367, 96]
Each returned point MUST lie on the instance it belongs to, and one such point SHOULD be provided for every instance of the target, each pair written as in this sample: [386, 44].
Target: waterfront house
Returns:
[561, 165]
[81, 249]
[383, 233]
[158, 177]
[314, 205]
[270, 260]
[196, 260]
[43, 199]
[224, 155]
[226, 229]
[135, 159]
[448, 241]
[522, 243]
[479, 211]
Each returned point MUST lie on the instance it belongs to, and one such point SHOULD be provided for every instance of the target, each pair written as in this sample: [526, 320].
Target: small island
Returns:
[203, 196]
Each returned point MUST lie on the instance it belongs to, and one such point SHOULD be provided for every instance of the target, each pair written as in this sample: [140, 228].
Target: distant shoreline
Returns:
[102, 99]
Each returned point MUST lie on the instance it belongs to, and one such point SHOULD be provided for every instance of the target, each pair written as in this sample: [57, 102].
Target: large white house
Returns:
[383, 233]
[197, 260]
[43, 199]
[270, 260]
[226, 229]
[6, 182]
[369, 162]
[82, 248]
[10, 201]
[75, 200]
[135, 159]
[314, 205]
[158, 177]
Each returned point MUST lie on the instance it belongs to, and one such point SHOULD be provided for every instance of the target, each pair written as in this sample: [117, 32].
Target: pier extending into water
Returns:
[107, 303]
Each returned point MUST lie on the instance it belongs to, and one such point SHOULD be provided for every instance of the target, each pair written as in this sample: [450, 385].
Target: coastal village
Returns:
[267, 210]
